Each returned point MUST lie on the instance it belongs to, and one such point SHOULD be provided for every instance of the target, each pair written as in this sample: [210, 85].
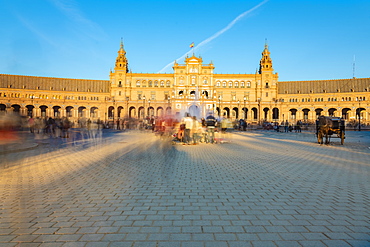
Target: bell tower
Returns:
[267, 86]
[118, 77]
[121, 61]
[266, 61]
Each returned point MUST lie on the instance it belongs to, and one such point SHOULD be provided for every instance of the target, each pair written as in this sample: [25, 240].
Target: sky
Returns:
[308, 39]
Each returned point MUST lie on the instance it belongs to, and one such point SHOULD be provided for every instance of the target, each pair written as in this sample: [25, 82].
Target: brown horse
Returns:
[323, 128]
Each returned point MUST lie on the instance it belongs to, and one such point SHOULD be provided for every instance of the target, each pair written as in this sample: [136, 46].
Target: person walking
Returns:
[188, 121]
[299, 126]
[286, 126]
[204, 137]
[195, 130]
[211, 124]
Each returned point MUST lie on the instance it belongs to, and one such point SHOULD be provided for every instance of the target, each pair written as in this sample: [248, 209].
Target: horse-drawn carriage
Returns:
[327, 126]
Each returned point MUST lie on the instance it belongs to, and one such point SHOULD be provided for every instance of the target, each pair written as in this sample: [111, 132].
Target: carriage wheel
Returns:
[320, 137]
[342, 137]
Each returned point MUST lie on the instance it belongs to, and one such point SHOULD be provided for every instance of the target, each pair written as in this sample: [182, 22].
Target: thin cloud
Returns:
[41, 35]
[70, 9]
[206, 41]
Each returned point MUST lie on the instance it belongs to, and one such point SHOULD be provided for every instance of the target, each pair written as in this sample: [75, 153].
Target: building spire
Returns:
[121, 61]
[266, 61]
[121, 44]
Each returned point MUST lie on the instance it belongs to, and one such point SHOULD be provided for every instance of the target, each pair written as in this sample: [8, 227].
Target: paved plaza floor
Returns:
[135, 189]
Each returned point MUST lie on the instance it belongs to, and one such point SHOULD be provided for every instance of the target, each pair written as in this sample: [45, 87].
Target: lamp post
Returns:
[149, 108]
[144, 106]
[169, 106]
[238, 108]
[219, 105]
[127, 110]
[245, 99]
[259, 110]
[359, 114]
[114, 108]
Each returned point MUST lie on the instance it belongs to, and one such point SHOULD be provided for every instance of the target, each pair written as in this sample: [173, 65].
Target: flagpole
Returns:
[192, 46]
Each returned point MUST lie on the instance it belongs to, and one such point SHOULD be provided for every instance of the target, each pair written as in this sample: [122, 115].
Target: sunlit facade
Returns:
[192, 87]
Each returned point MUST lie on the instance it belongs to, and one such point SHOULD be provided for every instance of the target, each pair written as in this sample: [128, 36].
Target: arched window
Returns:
[193, 80]
[218, 83]
[230, 84]
[224, 83]
[248, 84]
[236, 84]
[138, 83]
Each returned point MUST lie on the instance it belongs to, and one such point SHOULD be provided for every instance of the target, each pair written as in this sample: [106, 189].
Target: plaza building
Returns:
[192, 87]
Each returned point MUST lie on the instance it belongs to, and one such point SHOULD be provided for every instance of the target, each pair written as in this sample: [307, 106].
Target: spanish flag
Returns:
[192, 45]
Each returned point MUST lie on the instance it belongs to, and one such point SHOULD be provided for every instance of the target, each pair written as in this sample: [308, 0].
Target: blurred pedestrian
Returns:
[211, 124]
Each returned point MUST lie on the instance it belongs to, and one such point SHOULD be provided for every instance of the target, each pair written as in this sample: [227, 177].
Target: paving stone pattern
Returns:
[134, 189]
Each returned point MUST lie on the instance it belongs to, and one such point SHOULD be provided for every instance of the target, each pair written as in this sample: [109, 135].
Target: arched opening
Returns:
[245, 113]
[360, 117]
[226, 112]
[110, 112]
[168, 110]
[359, 113]
[119, 111]
[56, 112]
[275, 114]
[160, 111]
[218, 111]
[151, 111]
[29, 110]
[2, 107]
[194, 110]
[293, 114]
[331, 112]
[81, 111]
[16, 108]
[265, 113]
[69, 111]
[141, 112]
[94, 112]
[235, 113]
[43, 110]
[345, 114]
[205, 94]
[255, 113]
[132, 112]
[305, 114]
[318, 112]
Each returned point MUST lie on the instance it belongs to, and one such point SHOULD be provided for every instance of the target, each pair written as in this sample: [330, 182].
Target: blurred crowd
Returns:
[188, 130]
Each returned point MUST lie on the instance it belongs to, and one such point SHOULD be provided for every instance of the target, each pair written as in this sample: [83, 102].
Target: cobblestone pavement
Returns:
[134, 189]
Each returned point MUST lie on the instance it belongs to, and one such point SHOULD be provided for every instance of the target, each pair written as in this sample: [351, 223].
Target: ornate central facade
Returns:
[192, 87]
